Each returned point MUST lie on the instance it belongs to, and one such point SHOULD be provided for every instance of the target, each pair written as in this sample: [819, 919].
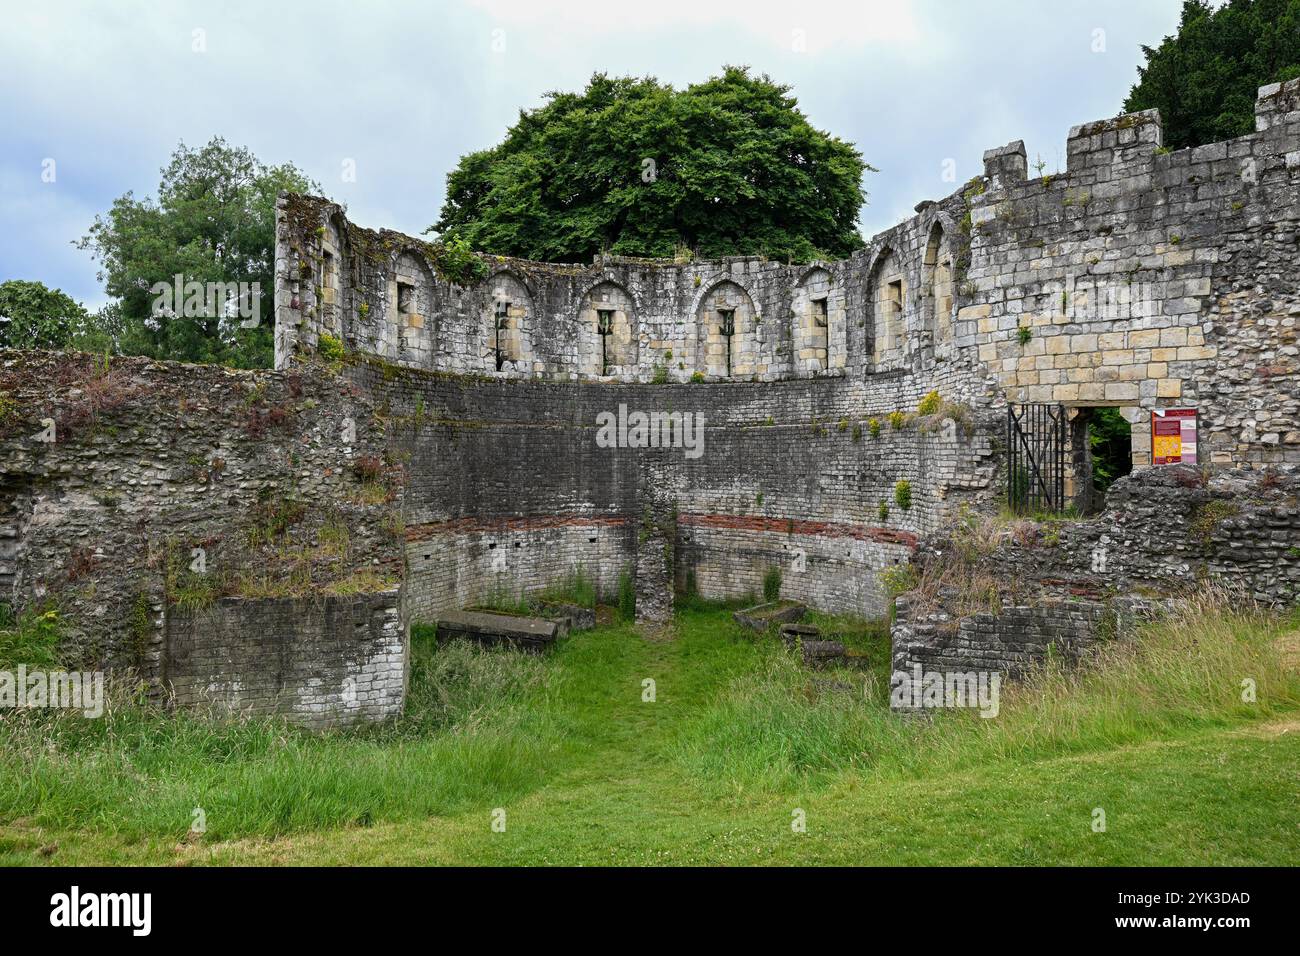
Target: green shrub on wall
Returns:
[903, 494]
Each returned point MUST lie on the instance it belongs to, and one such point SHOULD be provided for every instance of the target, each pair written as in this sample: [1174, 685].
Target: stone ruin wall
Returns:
[1166, 533]
[208, 528]
[1146, 279]
[1143, 279]
[508, 490]
[1136, 278]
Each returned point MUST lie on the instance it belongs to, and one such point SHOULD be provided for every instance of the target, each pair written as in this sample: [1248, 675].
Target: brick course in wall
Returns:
[508, 490]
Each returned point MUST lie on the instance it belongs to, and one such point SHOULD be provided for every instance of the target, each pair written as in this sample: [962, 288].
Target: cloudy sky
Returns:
[402, 89]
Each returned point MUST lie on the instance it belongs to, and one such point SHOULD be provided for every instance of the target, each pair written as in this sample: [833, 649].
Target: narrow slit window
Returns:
[500, 324]
[405, 298]
[894, 296]
[820, 313]
[604, 326]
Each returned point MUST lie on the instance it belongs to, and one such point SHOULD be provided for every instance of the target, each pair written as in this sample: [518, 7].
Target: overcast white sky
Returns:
[107, 89]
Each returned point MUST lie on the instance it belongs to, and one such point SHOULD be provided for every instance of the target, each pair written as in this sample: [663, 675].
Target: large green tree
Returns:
[213, 221]
[633, 167]
[34, 316]
[1204, 79]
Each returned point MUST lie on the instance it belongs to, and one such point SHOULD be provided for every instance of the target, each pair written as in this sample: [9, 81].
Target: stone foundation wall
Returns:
[321, 662]
[1166, 533]
[1009, 642]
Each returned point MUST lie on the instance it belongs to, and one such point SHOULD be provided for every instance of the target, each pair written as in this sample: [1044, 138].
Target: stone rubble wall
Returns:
[154, 464]
[1166, 533]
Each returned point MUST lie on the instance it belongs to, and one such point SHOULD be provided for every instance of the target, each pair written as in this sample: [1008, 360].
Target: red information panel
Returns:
[1173, 436]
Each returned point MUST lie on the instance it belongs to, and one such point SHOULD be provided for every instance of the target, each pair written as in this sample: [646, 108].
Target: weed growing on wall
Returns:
[903, 494]
[30, 638]
[626, 597]
[772, 584]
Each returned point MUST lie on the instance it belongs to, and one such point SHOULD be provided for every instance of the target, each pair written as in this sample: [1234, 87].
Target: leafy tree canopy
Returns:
[213, 221]
[33, 316]
[633, 167]
[1204, 79]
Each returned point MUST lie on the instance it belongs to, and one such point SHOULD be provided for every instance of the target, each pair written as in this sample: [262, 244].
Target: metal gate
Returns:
[1036, 440]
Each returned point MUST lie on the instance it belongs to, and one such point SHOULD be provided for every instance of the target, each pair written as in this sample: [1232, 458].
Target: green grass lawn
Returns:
[738, 739]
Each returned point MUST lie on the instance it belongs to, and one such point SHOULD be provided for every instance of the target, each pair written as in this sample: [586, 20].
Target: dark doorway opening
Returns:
[1103, 453]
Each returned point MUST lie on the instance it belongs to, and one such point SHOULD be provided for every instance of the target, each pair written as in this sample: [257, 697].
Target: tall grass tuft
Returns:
[779, 727]
[626, 597]
[772, 584]
[468, 732]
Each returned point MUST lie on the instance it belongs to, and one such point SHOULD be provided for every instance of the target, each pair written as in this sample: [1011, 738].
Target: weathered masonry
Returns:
[424, 445]
[1138, 278]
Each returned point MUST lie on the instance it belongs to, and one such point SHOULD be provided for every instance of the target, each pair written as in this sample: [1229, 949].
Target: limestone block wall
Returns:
[667, 318]
[1144, 278]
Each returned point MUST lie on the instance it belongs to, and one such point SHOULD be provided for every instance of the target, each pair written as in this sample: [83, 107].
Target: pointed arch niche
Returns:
[409, 307]
[507, 325]
[888, 297]
[607, 343]
[726, 343]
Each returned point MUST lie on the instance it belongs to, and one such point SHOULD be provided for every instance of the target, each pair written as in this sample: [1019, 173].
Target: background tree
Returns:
[633, 167]
[213, 221]
[1204, 79]
[33, 316]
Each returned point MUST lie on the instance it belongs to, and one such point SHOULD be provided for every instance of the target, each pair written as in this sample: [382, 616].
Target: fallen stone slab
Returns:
[579, 618]
[524, 633]
[819, 654]
[563, 622]
[762, 616]
[792, 634]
